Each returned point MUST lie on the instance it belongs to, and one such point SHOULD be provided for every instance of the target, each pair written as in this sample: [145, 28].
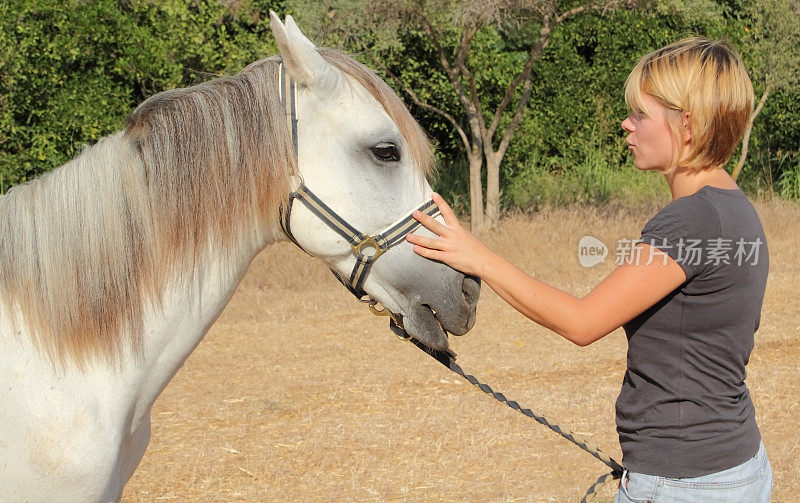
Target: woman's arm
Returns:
[628, 291]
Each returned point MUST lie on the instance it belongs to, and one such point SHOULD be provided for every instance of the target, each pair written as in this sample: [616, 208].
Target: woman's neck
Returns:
[683, 183]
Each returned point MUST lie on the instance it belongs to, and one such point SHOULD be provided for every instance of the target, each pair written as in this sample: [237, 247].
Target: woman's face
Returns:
[649, 136]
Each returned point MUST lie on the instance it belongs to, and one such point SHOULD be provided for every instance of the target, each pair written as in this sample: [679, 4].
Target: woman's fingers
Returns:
[431, 243]
[453, 245]
[428, 253]
[433, 225]
[430, 223]
[449, 216]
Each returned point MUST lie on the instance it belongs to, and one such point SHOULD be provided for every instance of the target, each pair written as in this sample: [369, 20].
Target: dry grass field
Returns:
[299, 394]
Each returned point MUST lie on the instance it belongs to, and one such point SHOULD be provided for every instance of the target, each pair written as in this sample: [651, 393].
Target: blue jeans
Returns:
[750, 482]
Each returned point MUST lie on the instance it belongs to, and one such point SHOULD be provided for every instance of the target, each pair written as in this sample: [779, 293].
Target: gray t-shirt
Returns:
[684, 409]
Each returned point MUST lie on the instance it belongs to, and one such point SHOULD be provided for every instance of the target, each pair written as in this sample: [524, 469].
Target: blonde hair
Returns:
[706, 79]
[87, 248]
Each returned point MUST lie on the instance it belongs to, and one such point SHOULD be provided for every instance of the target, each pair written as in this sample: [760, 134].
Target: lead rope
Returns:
[616, 468]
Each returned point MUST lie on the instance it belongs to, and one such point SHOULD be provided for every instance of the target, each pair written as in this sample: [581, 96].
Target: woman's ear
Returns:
[686, 121]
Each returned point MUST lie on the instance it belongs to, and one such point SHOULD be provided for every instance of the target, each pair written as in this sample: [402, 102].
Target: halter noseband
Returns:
[359, 243]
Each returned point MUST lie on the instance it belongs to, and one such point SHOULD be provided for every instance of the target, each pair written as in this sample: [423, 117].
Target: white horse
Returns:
[114, 266]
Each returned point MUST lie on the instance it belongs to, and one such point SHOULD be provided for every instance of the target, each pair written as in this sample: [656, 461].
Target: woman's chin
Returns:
[644, 167]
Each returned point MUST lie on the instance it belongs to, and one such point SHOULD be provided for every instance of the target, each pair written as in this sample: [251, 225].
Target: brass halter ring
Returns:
[385, 312]
[369, 242]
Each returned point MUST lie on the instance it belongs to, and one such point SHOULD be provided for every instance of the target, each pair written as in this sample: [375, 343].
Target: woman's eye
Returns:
[386, 152]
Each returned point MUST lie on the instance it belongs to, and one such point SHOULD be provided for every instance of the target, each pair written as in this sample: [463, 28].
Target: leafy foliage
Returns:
[71, 71]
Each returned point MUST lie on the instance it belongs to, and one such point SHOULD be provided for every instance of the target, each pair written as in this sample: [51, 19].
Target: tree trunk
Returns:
[492, 217]
[476, 191]
[480, 145]
[747, 131]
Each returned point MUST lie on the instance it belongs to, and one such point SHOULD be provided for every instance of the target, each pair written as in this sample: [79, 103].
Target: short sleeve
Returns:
[681, 230]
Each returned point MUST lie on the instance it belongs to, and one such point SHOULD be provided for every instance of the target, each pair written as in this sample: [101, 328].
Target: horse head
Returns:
[362, 155]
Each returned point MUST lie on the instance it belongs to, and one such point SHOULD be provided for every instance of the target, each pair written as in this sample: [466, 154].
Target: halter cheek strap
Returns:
[365, 248]
[361, 244]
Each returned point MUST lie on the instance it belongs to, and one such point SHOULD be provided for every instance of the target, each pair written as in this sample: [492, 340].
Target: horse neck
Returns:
[185, 289]
[192, 300]
[190, 304]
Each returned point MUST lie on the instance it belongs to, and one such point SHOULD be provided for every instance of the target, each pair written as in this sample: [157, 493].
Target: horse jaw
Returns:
[422, 324]
[448, 305]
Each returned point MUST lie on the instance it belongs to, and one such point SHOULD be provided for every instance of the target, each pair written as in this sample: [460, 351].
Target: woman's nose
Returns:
[627, 124]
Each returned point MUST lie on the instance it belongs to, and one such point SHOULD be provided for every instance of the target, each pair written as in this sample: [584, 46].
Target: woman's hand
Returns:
[628, 291]
[455, 246]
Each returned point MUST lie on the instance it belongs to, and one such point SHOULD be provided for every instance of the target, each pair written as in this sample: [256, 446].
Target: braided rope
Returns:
[569, 435]
[601, 480]
[616, 468]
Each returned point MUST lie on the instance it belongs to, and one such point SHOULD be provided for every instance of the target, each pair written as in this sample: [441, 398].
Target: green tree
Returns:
[71, 72]
[470, 40]
[772, 48]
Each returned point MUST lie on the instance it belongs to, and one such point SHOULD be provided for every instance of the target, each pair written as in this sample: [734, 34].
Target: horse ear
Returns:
[299, 55]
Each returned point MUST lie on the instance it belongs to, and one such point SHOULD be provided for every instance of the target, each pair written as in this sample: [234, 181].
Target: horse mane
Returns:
[86, 248]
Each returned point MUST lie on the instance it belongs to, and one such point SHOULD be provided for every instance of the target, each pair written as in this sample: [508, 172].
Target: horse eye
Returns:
[386, 152]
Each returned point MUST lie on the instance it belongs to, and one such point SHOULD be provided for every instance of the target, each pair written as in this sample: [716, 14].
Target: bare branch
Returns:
[598, 6]
[467, 35]
[426, 25]
[525, 74]
[515, 122]
[475, 99]
[453, 73]
[548, 23]
[466, 42]
[580, 9]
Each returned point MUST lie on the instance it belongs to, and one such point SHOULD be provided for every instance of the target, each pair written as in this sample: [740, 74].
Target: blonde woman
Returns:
[689, 299]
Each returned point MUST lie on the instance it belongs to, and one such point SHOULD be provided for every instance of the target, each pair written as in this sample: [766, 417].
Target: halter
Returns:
[360, 244]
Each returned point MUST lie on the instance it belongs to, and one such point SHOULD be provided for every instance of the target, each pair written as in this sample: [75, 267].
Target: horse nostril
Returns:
[471, 289]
